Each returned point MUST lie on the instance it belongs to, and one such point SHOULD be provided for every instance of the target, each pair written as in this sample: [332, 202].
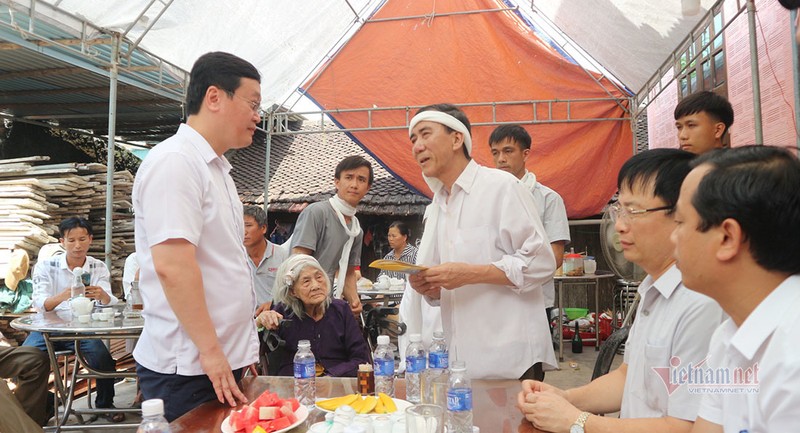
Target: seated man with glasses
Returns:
[673, 324]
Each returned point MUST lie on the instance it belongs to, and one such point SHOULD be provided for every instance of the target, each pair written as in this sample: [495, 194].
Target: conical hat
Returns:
[17, 268]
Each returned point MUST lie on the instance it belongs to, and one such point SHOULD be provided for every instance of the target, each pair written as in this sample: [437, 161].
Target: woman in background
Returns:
[401, 249]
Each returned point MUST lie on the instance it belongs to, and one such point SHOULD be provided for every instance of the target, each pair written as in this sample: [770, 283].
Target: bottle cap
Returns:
[77, 271]
[415, 338]
[458, 366]
[303, 343]
[438, 335]
[153, 407]
[383, 339]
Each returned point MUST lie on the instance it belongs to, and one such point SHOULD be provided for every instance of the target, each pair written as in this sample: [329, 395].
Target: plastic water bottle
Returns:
[383, 363]
[433, 382]
[77, 288]
[305, 387]
[459, 400]
[153, 420]
[416, 363]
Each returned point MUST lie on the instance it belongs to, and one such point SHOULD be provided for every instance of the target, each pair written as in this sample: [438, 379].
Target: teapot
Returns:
[81, 305]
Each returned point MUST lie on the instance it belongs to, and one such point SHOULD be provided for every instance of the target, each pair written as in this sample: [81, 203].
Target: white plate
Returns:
[301, 413]
[401, 406]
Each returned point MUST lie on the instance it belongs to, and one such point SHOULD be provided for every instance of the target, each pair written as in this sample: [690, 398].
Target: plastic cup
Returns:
[425, 418]
[84, 318]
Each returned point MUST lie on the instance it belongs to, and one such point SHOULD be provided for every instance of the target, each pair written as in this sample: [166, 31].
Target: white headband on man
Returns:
[444, 119]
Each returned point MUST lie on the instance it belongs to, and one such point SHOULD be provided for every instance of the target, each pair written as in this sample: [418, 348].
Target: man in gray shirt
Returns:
[330, 232]
[265, 257]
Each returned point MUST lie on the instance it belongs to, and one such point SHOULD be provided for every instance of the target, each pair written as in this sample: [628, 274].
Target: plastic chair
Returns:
[608, 350]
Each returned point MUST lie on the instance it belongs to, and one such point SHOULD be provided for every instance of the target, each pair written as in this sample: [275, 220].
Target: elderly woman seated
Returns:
[303, 310]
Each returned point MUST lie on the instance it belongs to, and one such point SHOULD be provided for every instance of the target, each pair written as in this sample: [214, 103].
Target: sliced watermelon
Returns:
[281, 423]
[268, 413]
[294, 402]
[267, 399]
[236, 421]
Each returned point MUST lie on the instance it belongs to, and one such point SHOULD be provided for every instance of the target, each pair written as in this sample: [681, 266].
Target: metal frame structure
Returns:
[69, 46]
[657, 83]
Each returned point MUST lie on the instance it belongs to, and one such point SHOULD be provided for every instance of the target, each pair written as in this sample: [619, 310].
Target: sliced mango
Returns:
[369, 404]
[388, 403]
[380, 408]
[334, 403]
[357, 404]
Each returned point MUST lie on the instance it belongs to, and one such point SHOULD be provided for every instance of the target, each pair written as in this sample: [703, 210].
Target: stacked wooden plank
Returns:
[36, 197]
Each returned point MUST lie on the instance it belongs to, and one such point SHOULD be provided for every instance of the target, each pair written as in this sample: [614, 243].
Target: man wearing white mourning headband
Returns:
[330, 232]
[485, 246]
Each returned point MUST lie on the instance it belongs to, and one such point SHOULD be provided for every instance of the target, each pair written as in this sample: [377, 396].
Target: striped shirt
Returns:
[409, 255]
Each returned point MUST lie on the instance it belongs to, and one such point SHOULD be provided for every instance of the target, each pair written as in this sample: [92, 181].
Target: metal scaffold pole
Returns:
[112, 122]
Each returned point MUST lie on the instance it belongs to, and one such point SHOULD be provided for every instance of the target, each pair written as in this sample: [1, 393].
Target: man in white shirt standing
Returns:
[486, 253]
[737, 241]
[673, 323]
[511, 147]
[199, 333]
[52, 283]
[265, 257]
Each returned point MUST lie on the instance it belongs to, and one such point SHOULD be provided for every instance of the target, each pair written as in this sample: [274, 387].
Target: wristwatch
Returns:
[577, 426]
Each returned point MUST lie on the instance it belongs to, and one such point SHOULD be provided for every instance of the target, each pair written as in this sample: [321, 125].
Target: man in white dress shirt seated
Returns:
[737, 242]
[673, 324]
[52, 283]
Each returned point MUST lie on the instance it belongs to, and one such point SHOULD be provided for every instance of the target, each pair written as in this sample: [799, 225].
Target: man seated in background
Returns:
[737, 241]
[265, 257]
[703, 119]
[511, 147]
[672, 322]
[330, 232]
[52, 283]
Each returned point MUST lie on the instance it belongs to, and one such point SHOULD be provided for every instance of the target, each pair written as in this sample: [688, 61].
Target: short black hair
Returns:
[74, 223]
[758, 187]
[790, 4]
[223, 70]
[716, 106]
[401, 227]
[455, 112]
[515, 133]
[351, 163]
[665, 168]
[257, 214]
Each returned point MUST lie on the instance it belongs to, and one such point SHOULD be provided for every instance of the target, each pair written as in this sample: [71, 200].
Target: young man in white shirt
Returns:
[199, 333]
[52, 283]
[486, 253]
[330, 232]
[511, 147]
[672, 323]
[737, 241]
[264, 256]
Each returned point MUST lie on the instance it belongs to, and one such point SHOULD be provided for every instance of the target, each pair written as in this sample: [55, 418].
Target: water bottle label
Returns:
[384, 367]
[459, 399]
[439, 359]
[304, 370]
[415, 364]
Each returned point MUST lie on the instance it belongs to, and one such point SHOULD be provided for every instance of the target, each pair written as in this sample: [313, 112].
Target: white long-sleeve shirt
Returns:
[52, 276]
[490, 218]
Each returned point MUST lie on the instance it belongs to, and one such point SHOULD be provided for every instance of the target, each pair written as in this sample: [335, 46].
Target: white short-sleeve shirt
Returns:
[766, 345]
[671, 321]
[51, 276]
[183, 190]
[553, 214]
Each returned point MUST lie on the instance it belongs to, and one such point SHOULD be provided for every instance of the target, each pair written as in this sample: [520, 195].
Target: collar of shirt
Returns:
[665, 285]
[464, 182]
[62, 262]
[762, 322]
[203, 147]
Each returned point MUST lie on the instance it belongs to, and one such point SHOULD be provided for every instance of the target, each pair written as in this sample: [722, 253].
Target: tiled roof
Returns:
[301, 172]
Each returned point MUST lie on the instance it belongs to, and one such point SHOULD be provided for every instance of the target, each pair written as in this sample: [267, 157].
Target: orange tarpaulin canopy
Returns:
[400, 58]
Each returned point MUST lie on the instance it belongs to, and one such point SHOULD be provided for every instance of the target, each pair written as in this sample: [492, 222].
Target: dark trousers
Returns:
[534, 373]
[96, 354]
[31, 367]
[180, 393]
